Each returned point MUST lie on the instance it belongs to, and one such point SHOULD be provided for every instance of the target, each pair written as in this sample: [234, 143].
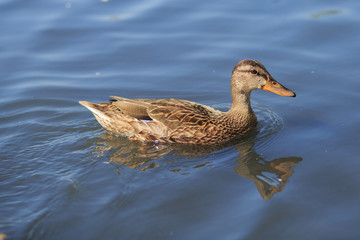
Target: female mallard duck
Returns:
[181, 121]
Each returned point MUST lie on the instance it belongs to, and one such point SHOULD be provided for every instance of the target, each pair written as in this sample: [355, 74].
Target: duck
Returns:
[181, 121]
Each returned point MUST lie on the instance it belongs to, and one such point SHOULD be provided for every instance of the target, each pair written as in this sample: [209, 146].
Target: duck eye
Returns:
[253, 71]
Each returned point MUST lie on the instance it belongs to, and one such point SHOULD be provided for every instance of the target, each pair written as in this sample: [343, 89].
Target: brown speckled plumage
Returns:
[181, 121]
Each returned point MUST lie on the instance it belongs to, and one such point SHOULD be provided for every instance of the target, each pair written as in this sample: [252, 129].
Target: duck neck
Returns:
[241, 107]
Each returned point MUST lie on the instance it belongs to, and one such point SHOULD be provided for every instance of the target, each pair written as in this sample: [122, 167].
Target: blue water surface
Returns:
[62, 176]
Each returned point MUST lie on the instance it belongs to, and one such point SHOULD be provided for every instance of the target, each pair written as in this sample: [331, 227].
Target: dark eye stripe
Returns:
[261, 75]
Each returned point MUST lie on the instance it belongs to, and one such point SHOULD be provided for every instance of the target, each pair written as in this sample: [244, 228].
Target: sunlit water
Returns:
[296, 176]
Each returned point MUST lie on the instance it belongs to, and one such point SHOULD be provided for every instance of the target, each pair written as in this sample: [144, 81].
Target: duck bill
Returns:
[276, 87]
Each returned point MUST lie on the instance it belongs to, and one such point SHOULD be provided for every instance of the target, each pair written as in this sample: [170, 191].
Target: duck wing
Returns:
[175, 113]
[132, 107]
[171, 112]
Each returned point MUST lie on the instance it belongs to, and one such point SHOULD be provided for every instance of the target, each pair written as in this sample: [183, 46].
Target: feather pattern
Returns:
[182, 121]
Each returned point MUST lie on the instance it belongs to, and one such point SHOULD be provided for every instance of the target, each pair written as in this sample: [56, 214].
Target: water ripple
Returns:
[269, 123]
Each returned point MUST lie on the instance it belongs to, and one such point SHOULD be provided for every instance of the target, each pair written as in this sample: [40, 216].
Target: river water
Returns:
[62, 176]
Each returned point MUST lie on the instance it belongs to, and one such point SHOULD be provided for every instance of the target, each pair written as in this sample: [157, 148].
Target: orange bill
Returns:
[276, 87]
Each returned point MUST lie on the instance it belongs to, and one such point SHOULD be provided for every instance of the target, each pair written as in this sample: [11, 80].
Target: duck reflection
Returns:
[269, 177]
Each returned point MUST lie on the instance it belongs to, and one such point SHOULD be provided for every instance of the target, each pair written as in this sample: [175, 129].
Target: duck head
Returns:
[250, 74]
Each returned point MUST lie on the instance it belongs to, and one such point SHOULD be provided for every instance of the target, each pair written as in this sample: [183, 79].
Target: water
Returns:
[63, 177]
